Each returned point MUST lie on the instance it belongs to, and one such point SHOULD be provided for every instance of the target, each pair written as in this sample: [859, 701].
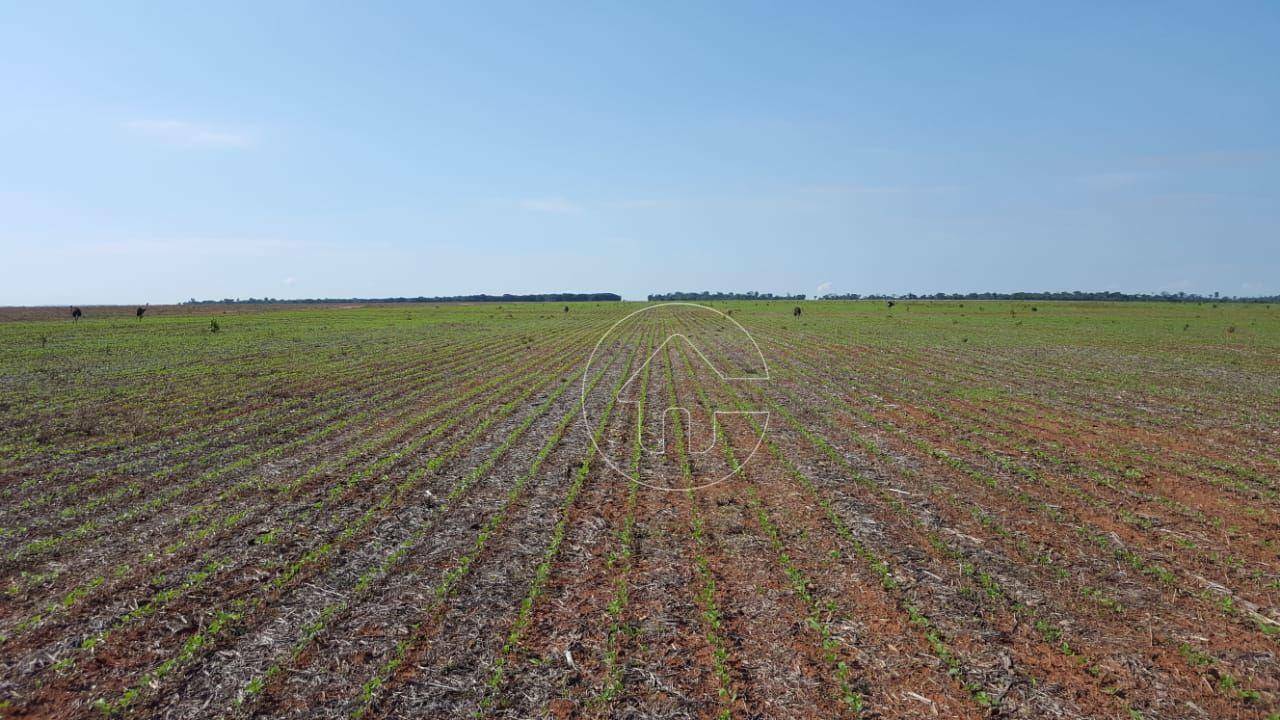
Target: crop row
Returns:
[310, 562]
[200, 527]
[987, 522]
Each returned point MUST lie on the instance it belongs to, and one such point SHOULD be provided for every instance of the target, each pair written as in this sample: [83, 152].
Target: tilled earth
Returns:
[415, 511]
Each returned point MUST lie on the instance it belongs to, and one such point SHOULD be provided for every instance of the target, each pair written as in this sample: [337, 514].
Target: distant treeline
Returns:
[705, 295]
[1065, 295]
[545, 297]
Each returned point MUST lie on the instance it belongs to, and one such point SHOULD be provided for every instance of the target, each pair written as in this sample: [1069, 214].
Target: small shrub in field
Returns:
[213, 326]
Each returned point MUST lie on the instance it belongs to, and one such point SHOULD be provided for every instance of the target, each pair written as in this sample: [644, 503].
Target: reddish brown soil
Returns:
[1027, 530]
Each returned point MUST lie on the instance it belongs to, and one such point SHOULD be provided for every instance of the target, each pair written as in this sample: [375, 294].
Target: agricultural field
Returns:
[954, 510]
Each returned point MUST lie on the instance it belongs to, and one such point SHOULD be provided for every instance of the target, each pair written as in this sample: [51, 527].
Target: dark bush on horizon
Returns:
[1064, 295]
[545, 297]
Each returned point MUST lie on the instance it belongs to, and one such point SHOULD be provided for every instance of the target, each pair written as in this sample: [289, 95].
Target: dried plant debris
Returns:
[428, 511]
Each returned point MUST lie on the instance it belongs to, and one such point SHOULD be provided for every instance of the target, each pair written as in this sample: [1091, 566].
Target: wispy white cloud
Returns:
[635, 204]
[876, 189]
[1114, 180]
[824, 288]
[178, 132]
[189, 248]
[551, 205]
[1210, 158]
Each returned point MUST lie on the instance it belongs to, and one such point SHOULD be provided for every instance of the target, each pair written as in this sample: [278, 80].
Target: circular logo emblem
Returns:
[680, 383]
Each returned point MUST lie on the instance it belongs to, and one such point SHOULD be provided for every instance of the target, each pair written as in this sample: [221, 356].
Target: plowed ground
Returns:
[974, 509]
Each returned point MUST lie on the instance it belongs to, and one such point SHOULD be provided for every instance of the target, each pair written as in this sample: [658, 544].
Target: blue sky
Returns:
[152, 153]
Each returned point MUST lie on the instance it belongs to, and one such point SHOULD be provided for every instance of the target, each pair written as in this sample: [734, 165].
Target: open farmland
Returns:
[970, 509]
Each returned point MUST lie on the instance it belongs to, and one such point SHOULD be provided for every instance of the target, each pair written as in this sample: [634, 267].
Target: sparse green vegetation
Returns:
[415, 506]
